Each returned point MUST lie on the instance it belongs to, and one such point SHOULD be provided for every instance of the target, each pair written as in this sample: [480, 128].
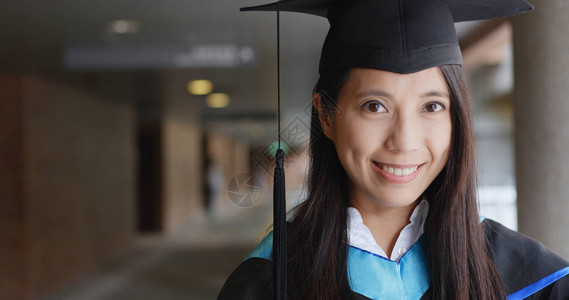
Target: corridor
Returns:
[191, 263]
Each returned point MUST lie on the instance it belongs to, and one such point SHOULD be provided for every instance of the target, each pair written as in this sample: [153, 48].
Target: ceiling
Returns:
[36, 35]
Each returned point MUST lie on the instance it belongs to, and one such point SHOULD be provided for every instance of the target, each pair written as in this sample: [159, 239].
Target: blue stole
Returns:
[377, 277]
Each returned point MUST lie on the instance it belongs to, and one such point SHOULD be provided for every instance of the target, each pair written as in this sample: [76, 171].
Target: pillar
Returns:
[541, 108]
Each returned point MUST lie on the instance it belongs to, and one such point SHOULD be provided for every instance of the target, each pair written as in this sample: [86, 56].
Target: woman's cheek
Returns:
[348, 143]
[361, 142]
[440, 138]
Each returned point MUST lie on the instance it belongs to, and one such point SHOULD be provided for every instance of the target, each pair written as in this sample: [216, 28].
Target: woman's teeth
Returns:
[399, 172]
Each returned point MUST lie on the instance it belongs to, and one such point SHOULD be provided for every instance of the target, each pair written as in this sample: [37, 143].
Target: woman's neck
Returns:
[385, 223]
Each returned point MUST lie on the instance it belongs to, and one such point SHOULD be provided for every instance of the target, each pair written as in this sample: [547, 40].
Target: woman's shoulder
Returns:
[527, 267]
[253, 279]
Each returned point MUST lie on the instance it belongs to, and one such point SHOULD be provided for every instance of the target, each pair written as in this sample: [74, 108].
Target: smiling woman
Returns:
[392, 138]
[393, 135]
[391, 210]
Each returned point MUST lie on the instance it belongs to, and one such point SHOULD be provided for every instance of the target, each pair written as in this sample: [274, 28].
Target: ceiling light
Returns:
[123, 26]
[217, 100]
[200, 87]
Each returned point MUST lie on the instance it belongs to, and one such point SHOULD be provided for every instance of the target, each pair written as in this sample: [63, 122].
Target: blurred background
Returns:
[136, 137]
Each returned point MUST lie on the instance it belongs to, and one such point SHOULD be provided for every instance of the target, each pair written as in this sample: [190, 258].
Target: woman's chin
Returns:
[396, 200]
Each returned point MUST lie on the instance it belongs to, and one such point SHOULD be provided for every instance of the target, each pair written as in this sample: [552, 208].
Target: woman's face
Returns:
[392, 133]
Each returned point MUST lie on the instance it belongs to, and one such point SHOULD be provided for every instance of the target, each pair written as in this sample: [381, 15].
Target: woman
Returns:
[391, 211]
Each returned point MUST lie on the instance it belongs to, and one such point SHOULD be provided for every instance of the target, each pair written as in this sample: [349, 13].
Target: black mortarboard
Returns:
[402, 36]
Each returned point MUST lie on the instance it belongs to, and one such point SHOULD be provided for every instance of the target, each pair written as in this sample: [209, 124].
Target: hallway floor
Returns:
[192, 263]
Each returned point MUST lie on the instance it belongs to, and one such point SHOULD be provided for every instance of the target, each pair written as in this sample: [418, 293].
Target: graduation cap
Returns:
[402, 36]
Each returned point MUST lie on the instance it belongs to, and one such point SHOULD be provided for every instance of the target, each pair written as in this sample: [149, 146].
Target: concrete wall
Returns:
[74, 209]
[181, 152]
[221, 150]
[68, 175]
[12, 223]
[242, 157]
[182, 177]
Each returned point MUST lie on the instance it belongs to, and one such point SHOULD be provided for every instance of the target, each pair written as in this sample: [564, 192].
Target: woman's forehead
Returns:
[371, 82]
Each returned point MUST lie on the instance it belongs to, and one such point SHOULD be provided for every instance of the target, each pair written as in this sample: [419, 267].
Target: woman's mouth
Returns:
[397, 173]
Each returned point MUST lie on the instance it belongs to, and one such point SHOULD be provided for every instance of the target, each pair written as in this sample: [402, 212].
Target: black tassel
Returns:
[279, 231]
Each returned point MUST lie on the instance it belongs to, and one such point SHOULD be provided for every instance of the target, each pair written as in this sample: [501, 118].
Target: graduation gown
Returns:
[529, 270]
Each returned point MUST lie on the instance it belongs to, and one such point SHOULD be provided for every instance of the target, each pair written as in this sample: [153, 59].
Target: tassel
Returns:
[279, 231]
[279, 196]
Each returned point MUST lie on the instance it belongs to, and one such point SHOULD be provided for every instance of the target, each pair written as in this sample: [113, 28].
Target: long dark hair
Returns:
[460, 267]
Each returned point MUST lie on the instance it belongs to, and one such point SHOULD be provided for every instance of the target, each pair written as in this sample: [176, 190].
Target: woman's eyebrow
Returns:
[379, 93]
[436, 94]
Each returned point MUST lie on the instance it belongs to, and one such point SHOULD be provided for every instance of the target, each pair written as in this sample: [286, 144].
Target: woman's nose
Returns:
[404, 135]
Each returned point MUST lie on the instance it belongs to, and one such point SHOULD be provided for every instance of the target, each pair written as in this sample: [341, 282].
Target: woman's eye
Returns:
[374, 106]
[434, 107]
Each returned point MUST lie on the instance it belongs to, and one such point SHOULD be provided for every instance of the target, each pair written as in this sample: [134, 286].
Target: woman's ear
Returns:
[324, 115]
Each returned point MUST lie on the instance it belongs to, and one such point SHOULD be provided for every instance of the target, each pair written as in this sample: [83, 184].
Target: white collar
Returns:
[360, 236]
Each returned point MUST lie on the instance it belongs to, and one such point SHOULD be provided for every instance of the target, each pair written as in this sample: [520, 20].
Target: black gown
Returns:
[529, 270]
